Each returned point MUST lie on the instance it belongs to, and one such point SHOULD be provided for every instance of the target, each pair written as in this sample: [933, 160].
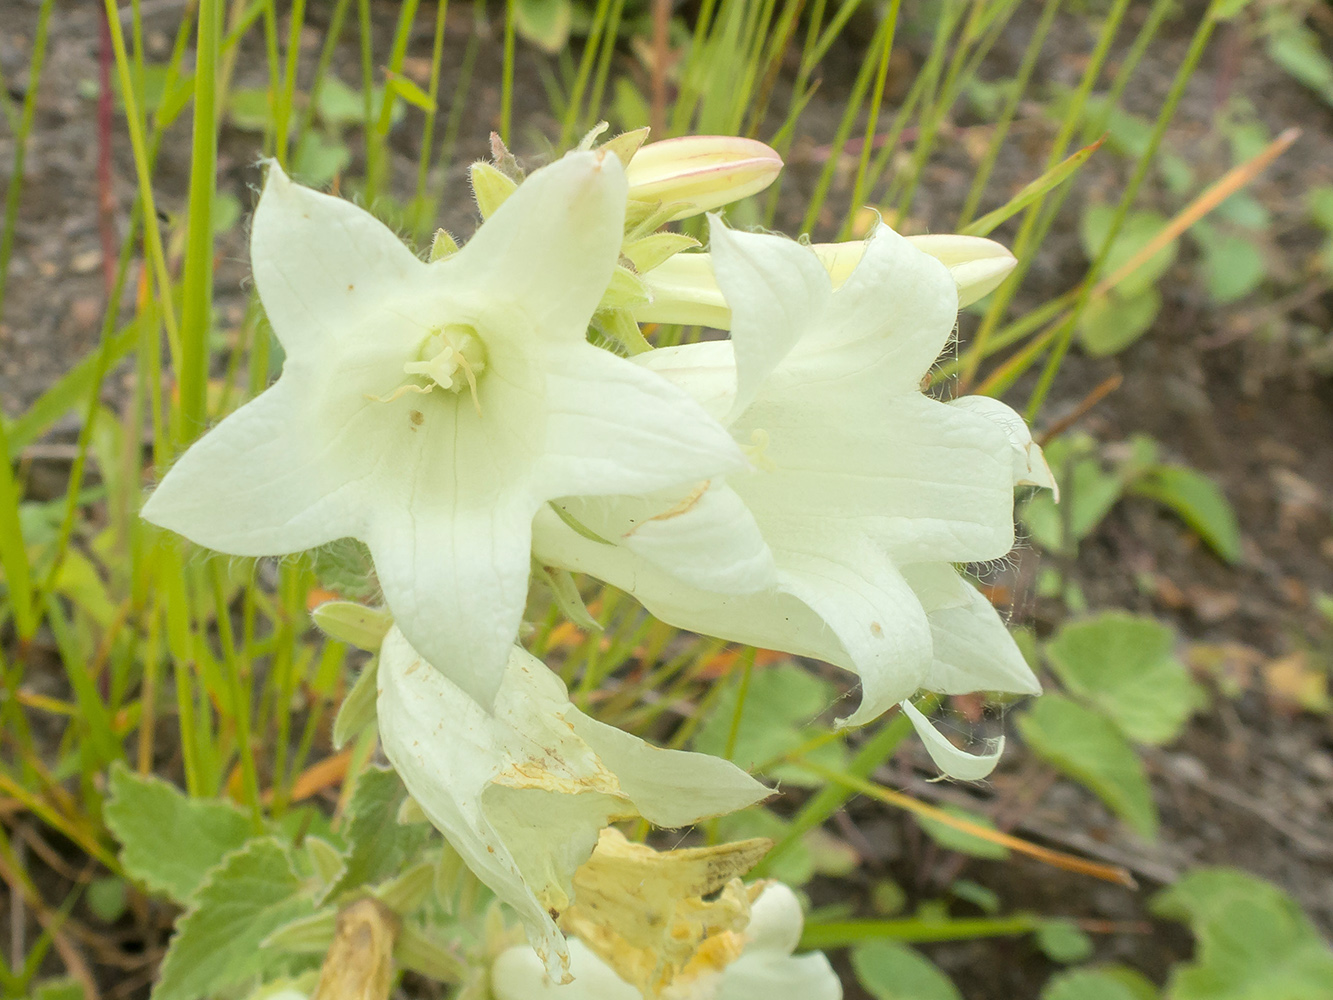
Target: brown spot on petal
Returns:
[876, 629]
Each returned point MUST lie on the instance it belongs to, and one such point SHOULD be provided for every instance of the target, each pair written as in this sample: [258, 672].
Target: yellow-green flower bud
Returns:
[703, 171]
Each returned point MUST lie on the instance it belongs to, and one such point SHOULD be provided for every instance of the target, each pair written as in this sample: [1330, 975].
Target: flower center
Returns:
[450, 358]
[447, 352]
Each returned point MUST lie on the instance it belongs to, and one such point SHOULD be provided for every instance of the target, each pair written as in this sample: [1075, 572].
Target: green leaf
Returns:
[892, 971]
[169, 841]
[378, 845]
[106, 897]
[1197, 501]
[217, 944]
[1088, 493]
[1091, 984]
[1086, 746]
[1254, 943]
[545, 23]
[1062, 941]
[1233, 267]
[319, 159]
[956, 840]
[1320, 203]
[1112, 322]
[1297, 50]
[779, 706]
[1125, 665]
[1137, 231]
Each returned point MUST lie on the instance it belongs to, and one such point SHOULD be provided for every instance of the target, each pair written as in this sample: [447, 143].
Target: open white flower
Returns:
[863, 489]
[523, 792]
[430, 409]
[759, 966]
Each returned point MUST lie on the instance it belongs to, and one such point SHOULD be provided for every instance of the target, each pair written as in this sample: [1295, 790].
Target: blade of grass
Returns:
[1056, 859]
[916, 930]
[1033, 191]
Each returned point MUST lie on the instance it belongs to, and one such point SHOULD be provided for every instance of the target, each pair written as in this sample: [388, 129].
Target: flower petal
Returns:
[973, 649]
[776, 920]
[709, 539]
[448, 749]
[770, 619]
[323, 267]
[766, 975]
[265, 481]
[549, 250]
[926, 481]
[706, 370]
[948, 758]
[456, 580]
[877, 619]
[895, 313]
[669, 788]
[518, 974]
[614, 427]
[778, 292]
[1030, 468]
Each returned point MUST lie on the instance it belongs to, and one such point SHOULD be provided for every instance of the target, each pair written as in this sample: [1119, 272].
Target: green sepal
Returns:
[358, 709]
[352, 623]
[490, 187]
[646, 253]
[567, 596]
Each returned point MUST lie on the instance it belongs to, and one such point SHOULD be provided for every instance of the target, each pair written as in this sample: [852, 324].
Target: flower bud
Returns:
[978, 265]
[703, 171]
[684, 289]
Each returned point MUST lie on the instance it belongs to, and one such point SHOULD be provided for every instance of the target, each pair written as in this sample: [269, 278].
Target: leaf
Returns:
[545, 23]
[1233, 267]
[1111, 323]
[1197, 501]
[217, 944]
[956, 840]
[1254, 943]
[170, 841]
[1062, 941]
[1086, 746]
[1087, 494]
[1139, 228]
[1125, 665]
[378, 845]
[779, 706]
[1090, 984]
[892, 971]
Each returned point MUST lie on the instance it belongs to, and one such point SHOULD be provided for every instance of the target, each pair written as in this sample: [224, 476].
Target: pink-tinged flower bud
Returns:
[702, 171]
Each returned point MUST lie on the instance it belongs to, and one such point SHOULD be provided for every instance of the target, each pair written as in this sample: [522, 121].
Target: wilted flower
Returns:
[863, 489]
[523, 792]
[752, 962]
[685, 290]
[703, 171]
[430, 409]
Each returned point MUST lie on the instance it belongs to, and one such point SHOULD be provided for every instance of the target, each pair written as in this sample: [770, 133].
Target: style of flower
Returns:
[756, 963]
[863, 491]
[522, 792]
[429, 409]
